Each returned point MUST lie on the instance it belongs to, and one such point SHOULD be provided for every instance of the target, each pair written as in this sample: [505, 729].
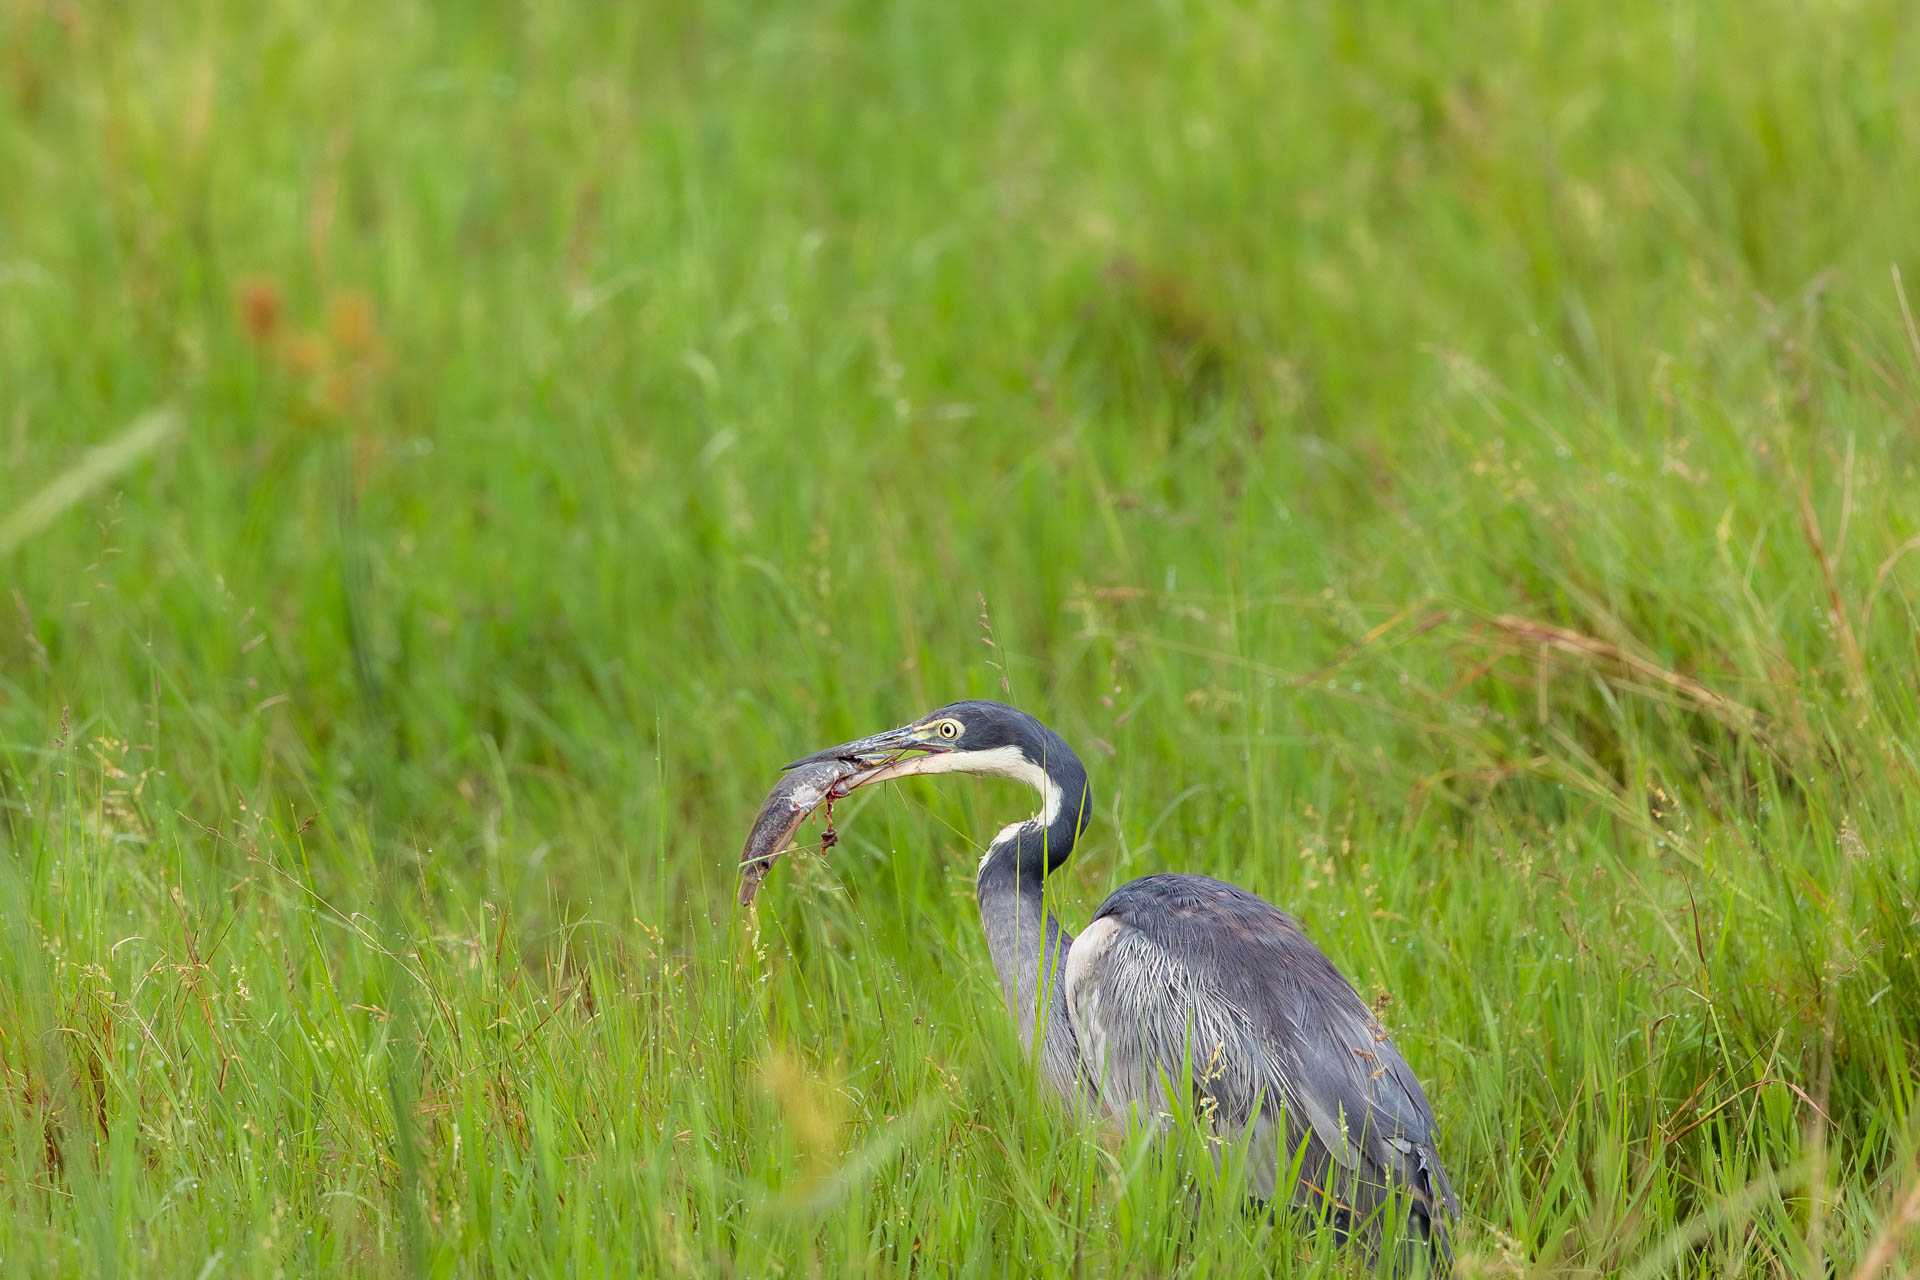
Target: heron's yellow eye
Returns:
[949, 729]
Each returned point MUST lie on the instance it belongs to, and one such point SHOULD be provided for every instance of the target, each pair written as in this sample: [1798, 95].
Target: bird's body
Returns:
[1186, 984]
[1156, 995]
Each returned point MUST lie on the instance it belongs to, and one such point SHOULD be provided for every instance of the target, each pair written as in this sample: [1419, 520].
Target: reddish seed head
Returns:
[259, 303]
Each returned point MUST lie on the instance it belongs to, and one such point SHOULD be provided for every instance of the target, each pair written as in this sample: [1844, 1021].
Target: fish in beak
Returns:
[819, 780]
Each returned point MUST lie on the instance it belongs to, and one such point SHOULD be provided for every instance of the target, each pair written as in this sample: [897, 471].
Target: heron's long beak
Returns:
[882, 748]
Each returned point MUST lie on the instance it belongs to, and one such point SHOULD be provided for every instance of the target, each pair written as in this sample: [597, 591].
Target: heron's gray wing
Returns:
[1181, 972]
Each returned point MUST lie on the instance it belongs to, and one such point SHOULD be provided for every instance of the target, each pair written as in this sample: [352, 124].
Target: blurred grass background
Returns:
[1450, 470]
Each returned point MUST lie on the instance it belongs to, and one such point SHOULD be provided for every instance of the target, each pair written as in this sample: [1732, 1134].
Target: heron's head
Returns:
[984, 738]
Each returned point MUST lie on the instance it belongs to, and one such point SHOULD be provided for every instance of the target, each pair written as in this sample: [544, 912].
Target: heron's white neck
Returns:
[999, 762]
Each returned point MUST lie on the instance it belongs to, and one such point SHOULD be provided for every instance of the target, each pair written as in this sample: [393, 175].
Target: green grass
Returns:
[1447, 468]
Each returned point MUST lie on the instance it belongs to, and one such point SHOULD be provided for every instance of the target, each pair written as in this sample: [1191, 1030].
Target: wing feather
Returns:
[1181, 969]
